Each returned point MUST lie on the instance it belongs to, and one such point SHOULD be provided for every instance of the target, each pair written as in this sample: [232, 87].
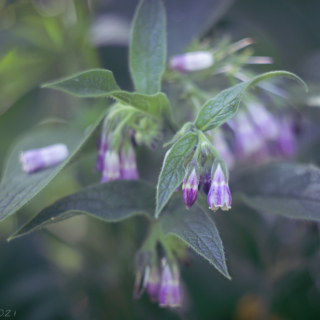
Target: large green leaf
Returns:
[197, 230]
[148, 46]
[173, 171]
[18, 187]
[101, 83]
[111, 202]
[221, 108]
[291, 190]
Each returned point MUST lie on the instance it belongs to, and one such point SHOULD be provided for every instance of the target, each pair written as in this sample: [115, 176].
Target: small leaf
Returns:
[197, 230]
[101, 83]
[221, 108]
[148, 46]
[18, 187]
[111, 202]
[172, 172]
[88, 84]
[291, 190]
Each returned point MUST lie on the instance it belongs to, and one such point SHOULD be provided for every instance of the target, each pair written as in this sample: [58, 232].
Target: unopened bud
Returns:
[220, 143]
[190, 184]
[192, 61]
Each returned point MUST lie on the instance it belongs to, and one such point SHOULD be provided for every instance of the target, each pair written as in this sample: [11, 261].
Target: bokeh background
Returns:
[83, 268]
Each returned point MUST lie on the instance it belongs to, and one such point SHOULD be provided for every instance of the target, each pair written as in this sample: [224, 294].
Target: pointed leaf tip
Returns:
[197, 230]
[222, 107]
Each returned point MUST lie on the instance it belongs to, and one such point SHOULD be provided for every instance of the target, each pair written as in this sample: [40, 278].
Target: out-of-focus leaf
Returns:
[291, 190]
[12, 84]
[197, 230]
[148, 46]
[221, 108]
[191, 19]
[111, 202]
[101, 83]
[88, 84]
[18, 187]
[173, 172]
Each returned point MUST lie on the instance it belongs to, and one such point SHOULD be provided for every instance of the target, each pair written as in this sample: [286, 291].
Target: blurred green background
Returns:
[83, 268]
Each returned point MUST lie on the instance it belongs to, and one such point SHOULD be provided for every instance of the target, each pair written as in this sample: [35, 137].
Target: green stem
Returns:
[203, 138]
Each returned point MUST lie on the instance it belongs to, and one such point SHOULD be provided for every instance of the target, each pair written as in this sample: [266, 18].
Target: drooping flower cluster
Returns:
[162, 283]
[212, 175]
[256, 135]
[114, 165]
[123, 129]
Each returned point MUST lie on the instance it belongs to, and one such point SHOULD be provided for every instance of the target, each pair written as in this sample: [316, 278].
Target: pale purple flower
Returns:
[128, 165]
[220, 143]
[190, 185]
[111, 167]
[219, 194]
[248, 139]
[153, 284]
[263, 120]
[286, 142]
[192, 61]
[170, 293]
[36, 159]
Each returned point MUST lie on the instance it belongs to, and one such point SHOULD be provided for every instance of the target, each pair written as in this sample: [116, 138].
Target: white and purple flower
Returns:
[191, 184]
[128, 165]
[192, 61]
[36, 159]
[248, 139]
[170, 293]
[153, 284]
[219, 194]
[286, 141]
[263, 120]
[111, 167]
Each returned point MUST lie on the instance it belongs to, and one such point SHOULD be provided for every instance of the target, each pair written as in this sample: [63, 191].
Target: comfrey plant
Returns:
[201, 154]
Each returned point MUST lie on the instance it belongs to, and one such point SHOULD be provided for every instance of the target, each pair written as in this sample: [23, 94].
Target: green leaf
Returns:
[111, 202]
[291, 190]
[197, 230]
[221, 108]
[101, 83]
[173, 171]
[148, 46]
[18, 187]
[88, 84]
